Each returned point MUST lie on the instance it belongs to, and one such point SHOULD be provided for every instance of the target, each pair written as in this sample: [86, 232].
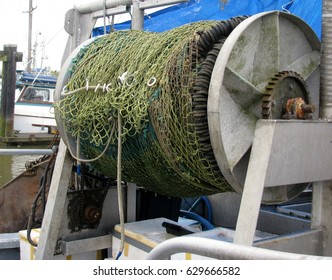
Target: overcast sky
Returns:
[48, 22]
[48, 28]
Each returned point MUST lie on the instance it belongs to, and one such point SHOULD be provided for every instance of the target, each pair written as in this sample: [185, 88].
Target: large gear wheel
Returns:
[283, 86]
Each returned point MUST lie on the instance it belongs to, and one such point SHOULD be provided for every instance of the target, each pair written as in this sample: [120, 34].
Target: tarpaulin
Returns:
[196, 10]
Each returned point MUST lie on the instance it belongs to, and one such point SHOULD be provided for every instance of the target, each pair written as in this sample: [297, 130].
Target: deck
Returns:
[28, 138]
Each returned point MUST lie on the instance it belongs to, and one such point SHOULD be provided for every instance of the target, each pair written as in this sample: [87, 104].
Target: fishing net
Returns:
[158, 83]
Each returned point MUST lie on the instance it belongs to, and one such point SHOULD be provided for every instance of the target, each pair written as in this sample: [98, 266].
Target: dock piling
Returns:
[9, 56]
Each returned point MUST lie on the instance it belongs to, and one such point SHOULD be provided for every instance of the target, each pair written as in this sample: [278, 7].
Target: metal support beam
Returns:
[253, 188]
[131, 202]
[305, 242]
[322, 212]
[55, 204]
[4, 152]
[140, 6]
[137, 22]
[86, 245]
[79, 27]
[158, 3]
[285, 152]
[98, 5]
[112, 12]
[322, 191]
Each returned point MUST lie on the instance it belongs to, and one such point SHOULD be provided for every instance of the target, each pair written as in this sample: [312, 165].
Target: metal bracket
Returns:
[283, 152]
[55, 205]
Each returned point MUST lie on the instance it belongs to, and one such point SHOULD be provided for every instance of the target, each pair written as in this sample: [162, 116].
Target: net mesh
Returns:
[158, 82]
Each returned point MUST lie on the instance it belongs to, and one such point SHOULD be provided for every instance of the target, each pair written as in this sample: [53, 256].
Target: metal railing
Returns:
[221, 250]
[12, 152]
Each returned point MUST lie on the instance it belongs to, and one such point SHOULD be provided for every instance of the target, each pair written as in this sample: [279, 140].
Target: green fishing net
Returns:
[158, 83]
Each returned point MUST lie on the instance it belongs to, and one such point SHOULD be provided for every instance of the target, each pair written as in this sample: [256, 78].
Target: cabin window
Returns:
[32, 94]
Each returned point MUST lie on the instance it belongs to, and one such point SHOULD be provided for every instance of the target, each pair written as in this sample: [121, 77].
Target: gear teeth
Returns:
[268, 96]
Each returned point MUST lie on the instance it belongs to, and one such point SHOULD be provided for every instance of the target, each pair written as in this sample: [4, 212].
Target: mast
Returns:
[30, 11]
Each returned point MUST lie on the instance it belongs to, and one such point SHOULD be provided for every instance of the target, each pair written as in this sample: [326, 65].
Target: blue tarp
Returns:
[196, 10]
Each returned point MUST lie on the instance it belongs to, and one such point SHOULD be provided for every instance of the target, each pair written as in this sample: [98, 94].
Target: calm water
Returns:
[11, 166]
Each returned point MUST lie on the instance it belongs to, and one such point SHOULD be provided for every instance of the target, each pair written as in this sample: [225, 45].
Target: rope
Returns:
[119, 188]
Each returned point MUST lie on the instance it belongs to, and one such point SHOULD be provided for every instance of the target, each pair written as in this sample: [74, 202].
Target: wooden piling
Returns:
[9, 56]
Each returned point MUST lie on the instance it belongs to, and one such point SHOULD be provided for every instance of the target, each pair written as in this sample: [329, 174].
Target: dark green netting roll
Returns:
[158, 82]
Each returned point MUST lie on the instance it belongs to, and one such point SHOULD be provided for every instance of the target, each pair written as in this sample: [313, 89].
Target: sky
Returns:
[48, 28]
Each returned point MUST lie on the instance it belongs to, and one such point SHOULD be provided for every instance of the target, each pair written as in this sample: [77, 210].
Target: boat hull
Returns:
[34, 118]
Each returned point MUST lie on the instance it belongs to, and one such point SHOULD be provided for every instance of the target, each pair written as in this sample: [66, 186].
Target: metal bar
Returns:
[322, 191]
[55, 206]
[9, 240]
[221, 250]
[308, 160]
[137, 22]
[254, 185]
[131, 202]
[326, 64]
[304, 242]
[13, 152]
[321, 212]
[98, 5]
[111, 12]
[86, 245]
[159, 3]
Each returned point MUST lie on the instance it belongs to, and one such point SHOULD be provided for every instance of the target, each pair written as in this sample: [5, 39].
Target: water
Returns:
[12, 166]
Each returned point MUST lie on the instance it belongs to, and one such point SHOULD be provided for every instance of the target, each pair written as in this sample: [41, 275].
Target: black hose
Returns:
[209, 46]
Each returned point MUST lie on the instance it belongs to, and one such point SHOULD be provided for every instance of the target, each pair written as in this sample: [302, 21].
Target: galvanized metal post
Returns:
[98, 5]
[137, 22]
[322, 191]
[55, 205]
[9, 56]
[326, 65]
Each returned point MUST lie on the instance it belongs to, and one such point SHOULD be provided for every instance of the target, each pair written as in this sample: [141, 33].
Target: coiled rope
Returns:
[158, 83]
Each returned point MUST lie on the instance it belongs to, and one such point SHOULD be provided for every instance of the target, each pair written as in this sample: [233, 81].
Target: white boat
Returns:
[34, 111]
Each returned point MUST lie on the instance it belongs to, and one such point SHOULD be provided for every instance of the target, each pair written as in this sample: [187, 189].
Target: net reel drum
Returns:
[256, 68]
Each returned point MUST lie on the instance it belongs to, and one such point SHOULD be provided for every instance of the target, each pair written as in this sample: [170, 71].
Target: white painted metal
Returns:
[253, 53]
[253, 187]
[221, 250]
[98, 5]
[322, 191]
[86, 245]
[137, 22]
[79, 27]
[309, 242]
[111, 12]
[326, 67]
[55, 204]
[80, 20]
[322, 213]
[26, 152]
[283, 152]
[158, 3]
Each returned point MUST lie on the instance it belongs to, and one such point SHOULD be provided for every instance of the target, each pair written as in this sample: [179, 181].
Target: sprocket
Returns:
[283, 86]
